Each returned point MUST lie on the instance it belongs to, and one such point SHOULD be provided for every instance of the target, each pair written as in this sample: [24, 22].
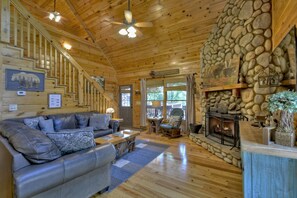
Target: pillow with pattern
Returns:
[33, 122]
[174, 121]
[72, 140]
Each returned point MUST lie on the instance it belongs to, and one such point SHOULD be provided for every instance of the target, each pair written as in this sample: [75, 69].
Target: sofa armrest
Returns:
[114, 125]
[6, 182]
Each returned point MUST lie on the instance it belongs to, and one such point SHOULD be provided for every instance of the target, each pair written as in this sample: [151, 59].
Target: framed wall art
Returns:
[20, 80]
[54, 101]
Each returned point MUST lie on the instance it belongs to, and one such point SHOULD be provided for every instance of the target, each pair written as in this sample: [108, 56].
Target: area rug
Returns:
[132, 162]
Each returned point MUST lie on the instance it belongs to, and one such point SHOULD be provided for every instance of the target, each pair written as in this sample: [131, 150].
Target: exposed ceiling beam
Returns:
[91, 35]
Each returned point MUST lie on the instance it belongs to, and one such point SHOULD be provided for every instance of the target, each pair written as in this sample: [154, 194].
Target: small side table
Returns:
[154, 124]
[118, 119]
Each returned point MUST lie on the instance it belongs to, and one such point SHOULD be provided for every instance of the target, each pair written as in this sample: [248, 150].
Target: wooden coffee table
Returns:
[124, 141]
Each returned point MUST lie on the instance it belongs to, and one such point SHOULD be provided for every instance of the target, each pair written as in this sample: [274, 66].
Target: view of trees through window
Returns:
[172, 94]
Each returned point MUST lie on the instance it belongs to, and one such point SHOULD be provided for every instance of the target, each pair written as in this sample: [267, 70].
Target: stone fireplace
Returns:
[241, 37]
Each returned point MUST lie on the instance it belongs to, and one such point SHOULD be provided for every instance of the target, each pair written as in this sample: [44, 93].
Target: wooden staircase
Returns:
[33, 43]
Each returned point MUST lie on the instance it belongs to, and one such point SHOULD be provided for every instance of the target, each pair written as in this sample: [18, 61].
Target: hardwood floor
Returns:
[183, 170]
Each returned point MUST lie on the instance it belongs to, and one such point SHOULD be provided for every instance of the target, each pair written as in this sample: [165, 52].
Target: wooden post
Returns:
[80, 88]
[5, 20]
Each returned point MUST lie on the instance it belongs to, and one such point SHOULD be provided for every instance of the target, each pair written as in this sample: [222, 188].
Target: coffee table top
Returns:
[118, 137]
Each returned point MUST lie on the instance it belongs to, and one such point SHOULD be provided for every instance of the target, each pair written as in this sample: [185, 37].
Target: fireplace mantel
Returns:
[233, 87]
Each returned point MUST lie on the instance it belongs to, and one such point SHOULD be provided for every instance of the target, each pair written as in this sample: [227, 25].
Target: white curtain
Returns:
[143, 103]
[190, 113]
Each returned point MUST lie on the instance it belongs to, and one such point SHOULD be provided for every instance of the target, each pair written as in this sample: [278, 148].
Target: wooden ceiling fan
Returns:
[130, 24]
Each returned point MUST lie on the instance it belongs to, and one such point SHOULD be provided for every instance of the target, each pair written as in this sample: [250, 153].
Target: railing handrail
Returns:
[38, 26]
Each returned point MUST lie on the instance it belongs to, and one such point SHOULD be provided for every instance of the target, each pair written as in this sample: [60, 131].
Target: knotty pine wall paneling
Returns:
[34, 103]
[284, 17]
[91, 59]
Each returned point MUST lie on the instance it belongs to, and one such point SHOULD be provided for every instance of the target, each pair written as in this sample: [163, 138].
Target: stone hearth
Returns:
[230, 156]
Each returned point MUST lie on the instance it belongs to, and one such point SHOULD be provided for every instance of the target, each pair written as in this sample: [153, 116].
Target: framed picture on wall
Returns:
[54, 101]
[100, 80]
[20, 80]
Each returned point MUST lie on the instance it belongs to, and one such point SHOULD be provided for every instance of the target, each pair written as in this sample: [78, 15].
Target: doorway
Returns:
[126, 105]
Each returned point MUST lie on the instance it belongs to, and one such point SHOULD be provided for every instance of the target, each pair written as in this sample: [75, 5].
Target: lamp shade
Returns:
[110, 110]
[156, 103]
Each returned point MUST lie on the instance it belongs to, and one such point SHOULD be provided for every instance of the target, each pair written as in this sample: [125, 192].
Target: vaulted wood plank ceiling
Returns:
[180, 27]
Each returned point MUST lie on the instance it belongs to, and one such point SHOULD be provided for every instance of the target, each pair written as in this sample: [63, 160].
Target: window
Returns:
[126, 96]
[155, 96]
[176, 99]
[175, 92]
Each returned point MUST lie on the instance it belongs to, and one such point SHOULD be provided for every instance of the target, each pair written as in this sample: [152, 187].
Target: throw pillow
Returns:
[72, 140]
[174, 121]
[33, 122]
[82, 120]
[63, 121]
[35, 146]
[99, 121]
[46, 126]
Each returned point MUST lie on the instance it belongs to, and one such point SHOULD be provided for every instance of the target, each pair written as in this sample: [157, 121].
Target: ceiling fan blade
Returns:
[144, 24]
[116, 23]
[128, 16]
[138, 32]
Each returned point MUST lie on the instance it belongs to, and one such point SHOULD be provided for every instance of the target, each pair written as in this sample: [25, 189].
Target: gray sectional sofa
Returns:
[34, 165]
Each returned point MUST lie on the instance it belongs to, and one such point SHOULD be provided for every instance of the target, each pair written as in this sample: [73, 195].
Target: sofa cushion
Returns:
[99, 121]
[82, 120]
[63, 121]
[46, 126]
[100, 133]
[72, 140]
[34, 145]
[33, 122]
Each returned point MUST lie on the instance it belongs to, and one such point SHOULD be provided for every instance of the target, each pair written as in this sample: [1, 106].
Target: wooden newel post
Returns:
[5, 20]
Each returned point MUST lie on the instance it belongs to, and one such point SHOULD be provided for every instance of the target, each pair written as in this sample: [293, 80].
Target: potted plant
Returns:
[286, 103]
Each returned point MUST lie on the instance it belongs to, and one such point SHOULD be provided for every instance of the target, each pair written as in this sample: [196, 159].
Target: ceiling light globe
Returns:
[131, 35]
[58, 17]
[51, 16]
[131, 29]
[123, 32]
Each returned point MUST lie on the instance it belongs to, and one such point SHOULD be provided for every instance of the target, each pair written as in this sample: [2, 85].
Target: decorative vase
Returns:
[285, 133]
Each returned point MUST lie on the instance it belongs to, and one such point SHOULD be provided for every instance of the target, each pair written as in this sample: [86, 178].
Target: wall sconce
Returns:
[67, 46]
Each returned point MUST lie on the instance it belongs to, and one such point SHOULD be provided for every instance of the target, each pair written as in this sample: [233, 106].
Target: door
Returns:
[126, 105]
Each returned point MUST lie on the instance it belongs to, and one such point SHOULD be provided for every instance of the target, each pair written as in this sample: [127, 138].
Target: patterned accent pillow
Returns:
[100, 121]
[72, 140]
[174, 121]
[47, 126]
[33, 122]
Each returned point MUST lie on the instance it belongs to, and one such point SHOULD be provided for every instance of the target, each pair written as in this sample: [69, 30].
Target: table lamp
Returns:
[110, 111]
[156, 104]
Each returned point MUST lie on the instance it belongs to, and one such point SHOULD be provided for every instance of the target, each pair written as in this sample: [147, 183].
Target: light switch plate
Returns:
[21, 93]
[13, 107]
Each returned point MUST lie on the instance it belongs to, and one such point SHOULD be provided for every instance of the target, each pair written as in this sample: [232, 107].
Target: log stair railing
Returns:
[37, 43]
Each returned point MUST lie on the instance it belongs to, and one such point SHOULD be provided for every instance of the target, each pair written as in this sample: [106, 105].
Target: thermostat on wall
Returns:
[21, 93]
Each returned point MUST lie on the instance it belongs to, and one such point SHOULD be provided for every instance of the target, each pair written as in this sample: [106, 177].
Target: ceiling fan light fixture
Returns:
[132, 35]
[54, 15]
[123, 32]
[131, 29]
